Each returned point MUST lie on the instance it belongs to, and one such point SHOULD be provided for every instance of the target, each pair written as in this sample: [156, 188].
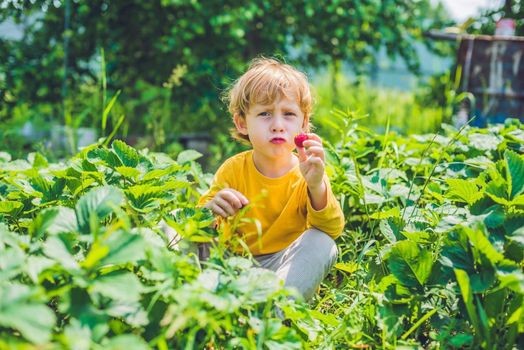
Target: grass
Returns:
[383, 107]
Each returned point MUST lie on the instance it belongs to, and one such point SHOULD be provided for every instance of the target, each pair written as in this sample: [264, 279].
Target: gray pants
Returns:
[305, 263]
[302, 265]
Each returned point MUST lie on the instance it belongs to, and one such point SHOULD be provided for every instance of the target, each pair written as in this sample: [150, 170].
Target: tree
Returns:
[487, 20]
[145, 41]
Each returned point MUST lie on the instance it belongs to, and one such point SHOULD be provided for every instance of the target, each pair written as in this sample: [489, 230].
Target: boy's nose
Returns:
[277, 125]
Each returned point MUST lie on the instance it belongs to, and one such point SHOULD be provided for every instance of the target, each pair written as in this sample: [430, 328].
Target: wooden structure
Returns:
[493, 71]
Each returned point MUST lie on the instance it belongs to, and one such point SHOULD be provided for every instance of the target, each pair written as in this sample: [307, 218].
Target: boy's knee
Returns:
[321, 243]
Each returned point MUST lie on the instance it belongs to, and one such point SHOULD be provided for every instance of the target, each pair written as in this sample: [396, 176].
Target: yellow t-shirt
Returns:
[281, 205]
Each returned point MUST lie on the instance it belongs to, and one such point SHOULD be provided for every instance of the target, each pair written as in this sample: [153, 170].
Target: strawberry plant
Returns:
[431, 257]
[437, 222]
[83, 262]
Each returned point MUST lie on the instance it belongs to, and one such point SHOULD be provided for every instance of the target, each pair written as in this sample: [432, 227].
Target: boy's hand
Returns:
[227, 202]
[311, 158]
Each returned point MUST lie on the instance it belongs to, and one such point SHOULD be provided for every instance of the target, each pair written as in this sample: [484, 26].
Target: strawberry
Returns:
[299, 140]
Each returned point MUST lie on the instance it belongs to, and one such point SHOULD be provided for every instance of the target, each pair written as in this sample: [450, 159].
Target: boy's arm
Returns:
[323, 210]
[318, 196]
[328, 219]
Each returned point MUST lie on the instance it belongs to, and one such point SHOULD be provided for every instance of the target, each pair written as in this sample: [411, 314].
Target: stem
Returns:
[437, 163]
[418, 323]
[416, 172]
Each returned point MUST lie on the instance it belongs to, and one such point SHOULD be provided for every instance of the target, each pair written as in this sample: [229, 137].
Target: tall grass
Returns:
[405, 114]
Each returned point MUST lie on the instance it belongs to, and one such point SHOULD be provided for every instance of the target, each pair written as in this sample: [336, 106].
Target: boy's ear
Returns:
[240, 124]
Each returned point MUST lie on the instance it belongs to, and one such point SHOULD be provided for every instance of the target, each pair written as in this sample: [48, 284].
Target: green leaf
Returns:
[418, 236]
[518, 200]
[494, 216]
[126, 342]
[483, 245]
[143, 196]
[130, 173]
[35, 321]
[12, 262]
[40, 184]
[78, 334]
[390, 230]
[11, 208]
[87, 166]
[108, 108]
[410, 264]
[99, 203]
[463, 191]
[498, 192]
[124, 247]
[55, 220]
[467, 296]
[36, 264]
[484, 142]
[127, 154]
[511, 278]
[460, 340]
[517, 236]
[57, 250]
[159, 173]
[188, 156]
[97, 252]
[515, 172]
[39, 161]
[109, 158]
[348, 267]
[5, 157]
[7, 237]
[456, 252]
[122, 286]
[391, 213]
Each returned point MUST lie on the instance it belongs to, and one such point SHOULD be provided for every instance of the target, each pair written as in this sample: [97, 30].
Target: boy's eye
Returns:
[263, 114]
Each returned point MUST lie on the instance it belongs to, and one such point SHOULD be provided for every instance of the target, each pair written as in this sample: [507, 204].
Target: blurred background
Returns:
[152, 72]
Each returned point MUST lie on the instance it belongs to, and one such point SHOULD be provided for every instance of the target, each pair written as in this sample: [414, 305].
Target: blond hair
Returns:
[265, 81]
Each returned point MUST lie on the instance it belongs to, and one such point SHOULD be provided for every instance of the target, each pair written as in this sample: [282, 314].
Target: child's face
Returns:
[271, 128]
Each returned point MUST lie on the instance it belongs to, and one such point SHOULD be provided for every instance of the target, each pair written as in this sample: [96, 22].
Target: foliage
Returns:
[434, 237]
[432, 254]
[82, 261]
[487, 20]
[145, 42]
[406, 115]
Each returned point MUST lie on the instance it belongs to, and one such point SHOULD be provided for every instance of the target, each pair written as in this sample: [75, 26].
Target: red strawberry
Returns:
[299, 140]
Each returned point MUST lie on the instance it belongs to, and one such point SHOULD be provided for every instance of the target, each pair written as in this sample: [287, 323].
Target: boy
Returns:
[299, 215]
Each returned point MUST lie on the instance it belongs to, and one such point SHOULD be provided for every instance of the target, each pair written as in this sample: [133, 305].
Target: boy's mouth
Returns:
[277, 140]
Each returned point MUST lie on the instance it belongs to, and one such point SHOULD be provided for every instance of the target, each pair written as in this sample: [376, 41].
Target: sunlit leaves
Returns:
[20, 311]
[127, 155]
[463, 191]
[515, 173]
[97, 205]
[410, 264]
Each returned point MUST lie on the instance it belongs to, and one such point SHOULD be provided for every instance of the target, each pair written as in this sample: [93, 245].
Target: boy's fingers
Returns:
[316, 161]
[233, 199]
[313, 136]
[240, 196]
[302, 155]
[217, 210]
[316, 151]
[312, 143]
[224, 205]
